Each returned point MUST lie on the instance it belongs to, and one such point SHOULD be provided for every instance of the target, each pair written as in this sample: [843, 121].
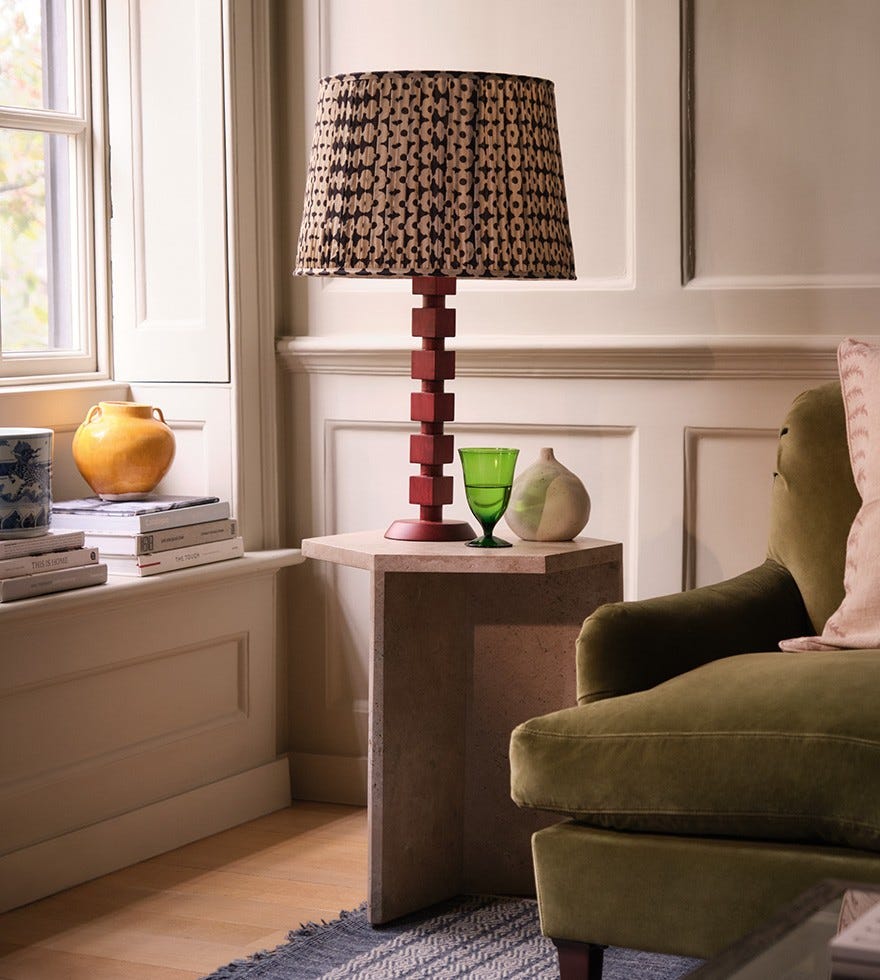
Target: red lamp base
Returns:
[415, 530]
[431, 448]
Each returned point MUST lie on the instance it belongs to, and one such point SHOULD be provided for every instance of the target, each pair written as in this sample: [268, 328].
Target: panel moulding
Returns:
[693, 436]
[141, 259]
[690, 206]
[817, 281]
[221, 719]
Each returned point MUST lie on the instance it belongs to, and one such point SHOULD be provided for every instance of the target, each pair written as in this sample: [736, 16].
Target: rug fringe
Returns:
[305, 931]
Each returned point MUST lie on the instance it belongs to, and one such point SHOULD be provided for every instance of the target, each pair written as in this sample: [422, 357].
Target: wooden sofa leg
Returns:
[579, 961]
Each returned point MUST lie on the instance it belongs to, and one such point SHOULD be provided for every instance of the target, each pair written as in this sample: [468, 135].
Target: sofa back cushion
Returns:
[814, 500]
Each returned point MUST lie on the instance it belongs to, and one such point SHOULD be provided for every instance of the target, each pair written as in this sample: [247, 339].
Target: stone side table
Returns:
[466, 644]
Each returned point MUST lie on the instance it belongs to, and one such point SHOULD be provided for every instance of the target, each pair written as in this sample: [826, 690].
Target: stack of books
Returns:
[52, 562]
[159, 534]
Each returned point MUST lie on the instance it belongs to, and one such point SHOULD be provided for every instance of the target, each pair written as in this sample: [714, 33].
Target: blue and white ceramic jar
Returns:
[25, 482]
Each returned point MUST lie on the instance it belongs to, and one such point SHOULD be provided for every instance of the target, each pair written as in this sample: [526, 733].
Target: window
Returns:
[48, 294]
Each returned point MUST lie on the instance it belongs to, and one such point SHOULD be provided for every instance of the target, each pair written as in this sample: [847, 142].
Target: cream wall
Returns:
[664, 397]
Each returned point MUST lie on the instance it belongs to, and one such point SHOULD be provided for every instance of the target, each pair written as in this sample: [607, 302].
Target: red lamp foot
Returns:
[412, 529]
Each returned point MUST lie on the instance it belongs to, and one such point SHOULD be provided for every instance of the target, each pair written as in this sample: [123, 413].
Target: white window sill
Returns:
[121, 589]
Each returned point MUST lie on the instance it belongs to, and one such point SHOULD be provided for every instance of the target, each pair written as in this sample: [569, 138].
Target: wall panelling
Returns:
[735, 135]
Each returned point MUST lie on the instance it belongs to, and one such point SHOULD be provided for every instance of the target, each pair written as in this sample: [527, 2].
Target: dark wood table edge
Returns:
[788, 918]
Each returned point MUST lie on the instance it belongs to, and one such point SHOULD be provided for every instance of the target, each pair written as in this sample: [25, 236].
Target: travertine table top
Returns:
[372, 551]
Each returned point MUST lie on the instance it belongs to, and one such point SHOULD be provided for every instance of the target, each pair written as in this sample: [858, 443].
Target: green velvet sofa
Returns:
[707, 777]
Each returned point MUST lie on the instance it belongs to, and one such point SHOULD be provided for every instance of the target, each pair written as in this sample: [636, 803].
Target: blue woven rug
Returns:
[485, 939]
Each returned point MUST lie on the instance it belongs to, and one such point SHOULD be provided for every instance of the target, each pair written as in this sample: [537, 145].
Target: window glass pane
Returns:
[35, 60]
[35, 242]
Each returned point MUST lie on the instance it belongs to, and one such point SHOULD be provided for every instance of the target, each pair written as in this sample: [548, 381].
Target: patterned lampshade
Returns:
[436, 173]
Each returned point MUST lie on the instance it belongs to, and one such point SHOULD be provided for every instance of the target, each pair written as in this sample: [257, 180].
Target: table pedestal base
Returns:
[458, 662]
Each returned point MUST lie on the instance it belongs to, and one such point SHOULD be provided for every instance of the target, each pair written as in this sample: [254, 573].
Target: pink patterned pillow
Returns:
[856, 622]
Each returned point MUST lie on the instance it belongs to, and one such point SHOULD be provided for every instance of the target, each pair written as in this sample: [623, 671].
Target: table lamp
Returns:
[435, 176]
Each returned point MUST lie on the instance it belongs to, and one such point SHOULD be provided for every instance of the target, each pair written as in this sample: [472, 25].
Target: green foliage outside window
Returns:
[24, 296]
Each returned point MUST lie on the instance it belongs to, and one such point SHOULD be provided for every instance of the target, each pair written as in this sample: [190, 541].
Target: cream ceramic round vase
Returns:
[123, 449]
[547, 502]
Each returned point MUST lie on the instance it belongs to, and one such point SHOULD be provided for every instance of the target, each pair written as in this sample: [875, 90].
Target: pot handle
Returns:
[158, 411]
[92, 412]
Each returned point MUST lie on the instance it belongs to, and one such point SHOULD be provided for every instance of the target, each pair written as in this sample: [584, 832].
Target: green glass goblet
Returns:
[488, 477]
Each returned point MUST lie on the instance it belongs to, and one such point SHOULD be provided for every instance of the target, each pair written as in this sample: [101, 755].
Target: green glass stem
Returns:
[488, 541]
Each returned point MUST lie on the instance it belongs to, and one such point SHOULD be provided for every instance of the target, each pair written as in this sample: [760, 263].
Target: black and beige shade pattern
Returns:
[436, 173]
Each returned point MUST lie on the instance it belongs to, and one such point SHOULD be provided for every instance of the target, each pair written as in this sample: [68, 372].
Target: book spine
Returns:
[109, 523]
[179, 516]
[52, 561]
[44, 583]
[17, 547]
[185, 536]
[167, 561]
[131, 545]
[92, 522]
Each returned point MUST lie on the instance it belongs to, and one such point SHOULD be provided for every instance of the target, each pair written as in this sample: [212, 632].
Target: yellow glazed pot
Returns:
[123, 449]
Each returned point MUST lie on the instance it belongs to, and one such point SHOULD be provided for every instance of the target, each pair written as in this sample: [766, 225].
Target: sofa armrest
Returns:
[631, 646]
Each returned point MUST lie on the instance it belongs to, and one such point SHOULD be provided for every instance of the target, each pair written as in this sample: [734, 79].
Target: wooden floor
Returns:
[182, 914]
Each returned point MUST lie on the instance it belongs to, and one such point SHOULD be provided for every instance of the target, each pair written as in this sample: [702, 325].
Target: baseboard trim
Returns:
[329, 778]
[52, 865]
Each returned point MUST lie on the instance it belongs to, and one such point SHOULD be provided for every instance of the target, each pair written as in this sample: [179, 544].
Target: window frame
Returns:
[86, 125]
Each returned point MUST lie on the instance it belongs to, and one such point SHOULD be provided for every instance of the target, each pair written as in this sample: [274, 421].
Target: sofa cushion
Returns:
[856, 622]
[761, 745]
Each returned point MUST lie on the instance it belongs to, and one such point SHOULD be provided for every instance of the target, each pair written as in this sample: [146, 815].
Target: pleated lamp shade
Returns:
[436, 173]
